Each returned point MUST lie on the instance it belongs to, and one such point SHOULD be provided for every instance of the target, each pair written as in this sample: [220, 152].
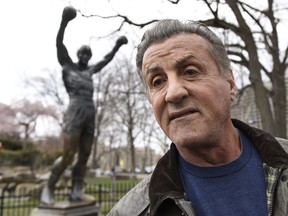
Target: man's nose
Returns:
[176, 90]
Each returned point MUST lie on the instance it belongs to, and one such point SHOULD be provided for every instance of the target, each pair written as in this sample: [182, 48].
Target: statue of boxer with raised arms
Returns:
[79, 119]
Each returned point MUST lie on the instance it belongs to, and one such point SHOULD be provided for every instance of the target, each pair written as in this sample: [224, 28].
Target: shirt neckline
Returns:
[220, 170]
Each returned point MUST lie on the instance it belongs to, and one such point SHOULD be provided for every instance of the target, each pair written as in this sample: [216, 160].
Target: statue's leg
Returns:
[70, 143]
[79, 170]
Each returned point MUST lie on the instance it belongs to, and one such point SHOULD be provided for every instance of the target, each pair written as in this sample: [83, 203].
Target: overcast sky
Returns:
[29, 28]
[26, 42]
[28, 38]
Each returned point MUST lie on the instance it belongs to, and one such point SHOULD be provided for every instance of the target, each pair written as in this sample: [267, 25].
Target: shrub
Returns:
[11, 144]
[18, 158]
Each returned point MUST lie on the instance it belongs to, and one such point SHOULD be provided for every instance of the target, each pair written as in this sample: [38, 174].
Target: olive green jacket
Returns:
[161, 193]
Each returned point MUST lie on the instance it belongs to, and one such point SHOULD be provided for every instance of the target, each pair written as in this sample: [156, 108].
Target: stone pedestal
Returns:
[67, 209]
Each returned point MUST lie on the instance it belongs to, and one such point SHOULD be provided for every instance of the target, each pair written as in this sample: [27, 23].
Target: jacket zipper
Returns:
[270, 211]
[182, 210]
[184, 213]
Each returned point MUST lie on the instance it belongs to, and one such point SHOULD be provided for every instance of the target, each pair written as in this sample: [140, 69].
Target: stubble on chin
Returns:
[196, 140]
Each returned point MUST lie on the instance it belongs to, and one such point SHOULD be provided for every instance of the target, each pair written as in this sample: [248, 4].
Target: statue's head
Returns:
[84, 54]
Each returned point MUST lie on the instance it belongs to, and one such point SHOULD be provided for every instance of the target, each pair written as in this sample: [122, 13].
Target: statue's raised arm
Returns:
[69, 13]
[108, 57]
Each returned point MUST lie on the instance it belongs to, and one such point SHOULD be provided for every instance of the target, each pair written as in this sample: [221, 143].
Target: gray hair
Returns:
[167, 28]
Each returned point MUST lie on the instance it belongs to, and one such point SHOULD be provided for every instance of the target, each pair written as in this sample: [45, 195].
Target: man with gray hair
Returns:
[216, 165]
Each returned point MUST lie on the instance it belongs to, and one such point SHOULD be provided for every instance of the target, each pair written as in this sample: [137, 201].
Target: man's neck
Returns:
[214, 154]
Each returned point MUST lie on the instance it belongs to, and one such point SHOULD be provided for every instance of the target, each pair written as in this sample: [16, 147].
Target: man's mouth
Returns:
[181, 113]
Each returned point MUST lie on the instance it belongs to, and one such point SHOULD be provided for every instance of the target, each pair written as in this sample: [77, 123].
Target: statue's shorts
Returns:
[80, 116]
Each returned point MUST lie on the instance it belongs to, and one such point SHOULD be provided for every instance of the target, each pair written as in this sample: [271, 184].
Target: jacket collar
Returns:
[166, 183]
[269, 148]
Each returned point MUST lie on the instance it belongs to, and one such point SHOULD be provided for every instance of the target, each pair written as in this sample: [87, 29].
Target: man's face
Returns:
[190, 98]
[84, 58]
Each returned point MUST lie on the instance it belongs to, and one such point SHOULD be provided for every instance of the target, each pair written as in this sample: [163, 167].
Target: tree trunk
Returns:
[279, 104]
[132, 150]
[254, 66]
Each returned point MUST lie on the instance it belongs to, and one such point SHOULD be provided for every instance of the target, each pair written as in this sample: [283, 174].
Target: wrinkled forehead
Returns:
[176, 48]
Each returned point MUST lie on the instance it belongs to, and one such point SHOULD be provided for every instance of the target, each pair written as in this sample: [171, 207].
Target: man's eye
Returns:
[191, 72]
[157, 82]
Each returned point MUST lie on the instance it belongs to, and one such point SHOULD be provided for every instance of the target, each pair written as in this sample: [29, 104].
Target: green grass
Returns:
[111, 192]
[108, 180]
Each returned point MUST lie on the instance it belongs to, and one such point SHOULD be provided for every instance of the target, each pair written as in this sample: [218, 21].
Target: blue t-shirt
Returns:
[234, 189]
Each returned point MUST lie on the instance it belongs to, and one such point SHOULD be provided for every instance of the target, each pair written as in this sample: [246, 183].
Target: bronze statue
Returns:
[79, 119]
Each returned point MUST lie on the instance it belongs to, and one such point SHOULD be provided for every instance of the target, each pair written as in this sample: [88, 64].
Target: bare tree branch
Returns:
[173, 2]
[124, 18]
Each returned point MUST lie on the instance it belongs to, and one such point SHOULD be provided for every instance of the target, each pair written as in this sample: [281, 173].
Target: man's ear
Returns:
[233, 87]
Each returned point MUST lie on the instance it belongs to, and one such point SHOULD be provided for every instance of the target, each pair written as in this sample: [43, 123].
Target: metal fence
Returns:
[21, 202]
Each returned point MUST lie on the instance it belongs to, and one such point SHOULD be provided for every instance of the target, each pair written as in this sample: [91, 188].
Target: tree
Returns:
[50, 90]
[258, 34]
[129, 105]
[251, 34]
[9, 129]
[102, 83]
[27, 113]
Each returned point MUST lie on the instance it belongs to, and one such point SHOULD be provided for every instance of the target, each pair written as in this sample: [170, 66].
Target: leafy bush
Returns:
[18, 158]
[11, 144]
